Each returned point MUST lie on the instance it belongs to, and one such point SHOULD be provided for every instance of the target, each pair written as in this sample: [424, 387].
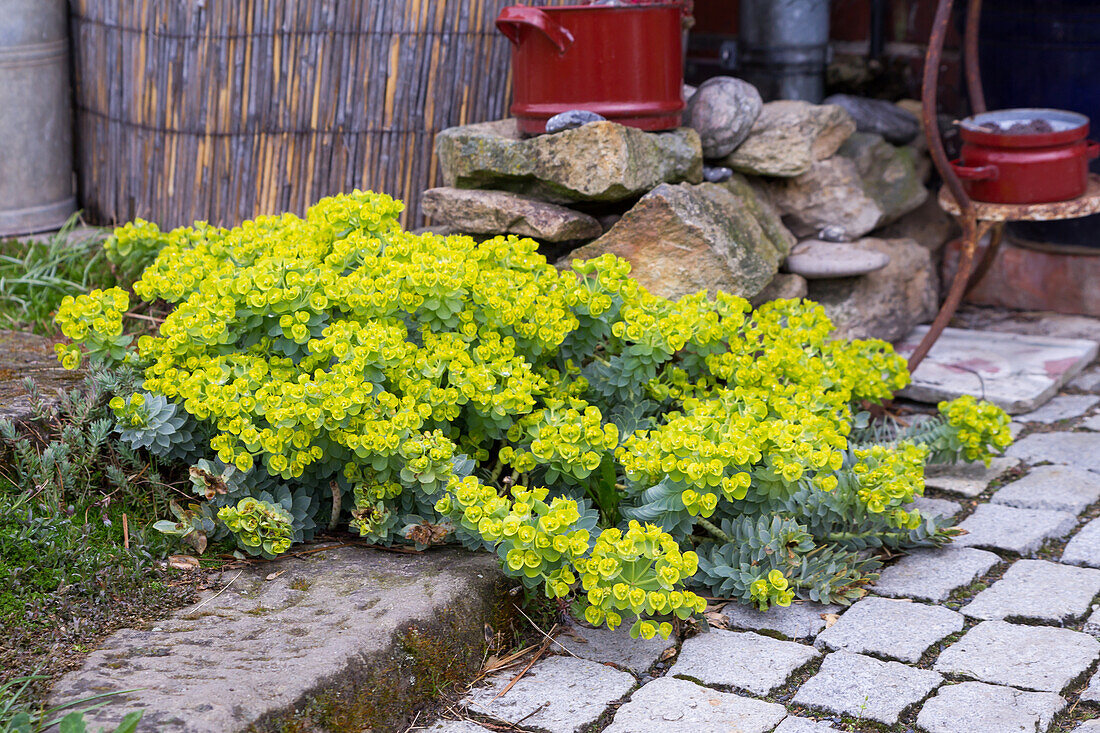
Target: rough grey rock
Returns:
[456, 726]
[741, 659]
[1061, 488]
[722, 111]
[477, 211]
[929, 507]
[889, 174]
[784, 286]
[1023, 531]
[1029, 657]
[880, 117]
[571, 119]
[686, 91]
[716, 173]
[885, 304]
[829, 194]
[1091, 692]
[262, 645]
[1062, 407]
[1084, 547]
[817, 260]
[1092, 623]
[976, 707]
[1037, 590]
[789, 136]
[800, 620]
[933, 574]
[24, 355]
[558, 694]
[967, 479]
[683, 239]
[607, 646]
[900, 630]
[600, 161]
[1088, 381]
[1072, 449]
[928, 225]
[794, 724]
[671, 704]
[864, 687]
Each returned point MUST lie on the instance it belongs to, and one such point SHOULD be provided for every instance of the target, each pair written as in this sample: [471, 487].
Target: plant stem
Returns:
[713, 529]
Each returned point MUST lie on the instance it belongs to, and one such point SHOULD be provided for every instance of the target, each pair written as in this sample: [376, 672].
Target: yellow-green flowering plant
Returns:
[609, 445]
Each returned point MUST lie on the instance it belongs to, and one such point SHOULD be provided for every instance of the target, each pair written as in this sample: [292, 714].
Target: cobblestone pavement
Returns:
[996, 633]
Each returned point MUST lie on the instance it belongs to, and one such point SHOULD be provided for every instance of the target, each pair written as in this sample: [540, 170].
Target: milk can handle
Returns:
[513, 17]
[975, 173]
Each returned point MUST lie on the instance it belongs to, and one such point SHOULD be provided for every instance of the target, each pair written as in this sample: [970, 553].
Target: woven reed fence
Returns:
[221, 110]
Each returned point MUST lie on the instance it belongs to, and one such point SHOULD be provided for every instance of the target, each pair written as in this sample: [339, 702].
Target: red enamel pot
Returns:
[1025, 156]
[624, 62]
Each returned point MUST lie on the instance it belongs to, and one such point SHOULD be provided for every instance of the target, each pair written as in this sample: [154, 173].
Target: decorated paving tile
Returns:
[1062, 407]
[864, 687]
[558, 694]
[1037, 590]
[930, 507]
[1061, 488]
[800, 620]
[1037, 658]
[900, 630]
[672, 704]
[1079, 449]
[615, 647]
[741, 659]
[933, 574]
[967, 479]
[976, 707]
[1023, 531]
[1084, 547]
[1017, 372]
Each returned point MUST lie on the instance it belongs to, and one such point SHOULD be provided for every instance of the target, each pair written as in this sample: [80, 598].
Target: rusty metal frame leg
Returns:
[996, 236]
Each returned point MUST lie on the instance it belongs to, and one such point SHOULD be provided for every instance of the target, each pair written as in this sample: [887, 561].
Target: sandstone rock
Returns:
[817, 260]
[789, 136]
[600, 161]
[829, 194]
[784, 286]
[880, 117]
[499, 212]
[682, 239]
[928, 225]
[722, 111]
[888, 173]
[884, 304]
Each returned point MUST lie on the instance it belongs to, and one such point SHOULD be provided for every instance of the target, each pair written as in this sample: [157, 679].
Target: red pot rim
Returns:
[971, 131]
[678, 7]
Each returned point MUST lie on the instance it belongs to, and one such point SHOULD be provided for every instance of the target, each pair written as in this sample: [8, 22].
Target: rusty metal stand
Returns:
[976, 218]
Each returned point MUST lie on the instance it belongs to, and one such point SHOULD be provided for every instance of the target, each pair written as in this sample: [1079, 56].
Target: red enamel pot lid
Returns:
[1067, 127]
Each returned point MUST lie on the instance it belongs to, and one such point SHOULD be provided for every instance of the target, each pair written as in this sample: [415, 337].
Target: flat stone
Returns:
[1037, 590]
[1092, 623]
[817, 260]
[558, 694]
[1091, 423]
[864, 687]
[256, 647]
[1070, 449]
[1029, 657]
[1018, 373]
[1062, 407]
[1088, 381]
[722, 110]
[976, 707]
[1034, 323]
[934, 574]
[878, 116]
[668, 704]
[900, 630]
[967, 479]
[795, 724]
[456, 726]
[1084, 547]
[24, 355]
[1091, 693]
[572, 118]
[477, 211]
[1062, 488]
[1023, 531]
[788, 136]
[929, 507]
[615, 647]
[741, 659]
[800, 620]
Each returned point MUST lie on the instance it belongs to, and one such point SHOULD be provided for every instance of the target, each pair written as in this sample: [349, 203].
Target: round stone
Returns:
[723, 111]
[817, 260]
[717, 173]
[571, 119]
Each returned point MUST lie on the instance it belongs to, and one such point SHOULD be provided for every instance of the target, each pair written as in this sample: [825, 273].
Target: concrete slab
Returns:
[24, 355]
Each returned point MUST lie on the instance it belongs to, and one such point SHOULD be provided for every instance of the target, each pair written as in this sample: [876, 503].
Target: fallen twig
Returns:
[223, 590]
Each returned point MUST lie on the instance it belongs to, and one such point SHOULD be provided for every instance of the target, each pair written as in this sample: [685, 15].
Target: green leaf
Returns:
[130, 722]
[73, 723]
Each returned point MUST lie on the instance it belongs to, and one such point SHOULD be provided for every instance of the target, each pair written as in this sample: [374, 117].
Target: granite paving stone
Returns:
[558, 694]
[1037, 590]
[1029, 657]
[1070, 449]
[1015, 428]
[457, 726]
[976, 707]
[864, 687]
[605, 645]
[1084, 547]
[741, 659]
[800, 620]
[795, 724]
[668, 704]
[900, 630]
[1092, 623]
[1087, 381]
[933, 574]
[930, 507]
[967, 479]
[1089, 726]
[1091, 423]
[1023, 531]
[1061, 488]
[1091, 693]
[1062, 407]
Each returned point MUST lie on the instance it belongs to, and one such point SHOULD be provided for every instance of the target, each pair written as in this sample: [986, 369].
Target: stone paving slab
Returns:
[1037, 658]
[668, 704]
[558, 694]
[1091, 693]
[1084, 547]
[1060, 488]
[1062, 407]
[1037, 590]
[1087, 381]
[456, 726]
[741, 659]
[864, 687]
[1092, 623]
[900, 630]
[616, 647]
[1018, 373]
[976, 707]
[1091, 423]
[930, 507]
[967, 479]
[1023, 531]
[800, 620]
[795, 724]
[1089, 726]
[1070, 449]
[933, 574]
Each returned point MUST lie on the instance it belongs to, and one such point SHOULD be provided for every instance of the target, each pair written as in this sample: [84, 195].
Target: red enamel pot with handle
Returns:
[624, 62]
[1025, 156]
